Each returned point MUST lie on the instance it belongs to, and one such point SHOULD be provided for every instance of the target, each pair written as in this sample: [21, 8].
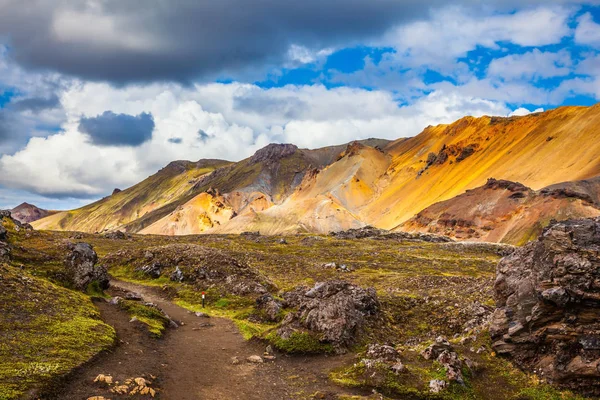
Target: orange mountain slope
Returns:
[509, 212]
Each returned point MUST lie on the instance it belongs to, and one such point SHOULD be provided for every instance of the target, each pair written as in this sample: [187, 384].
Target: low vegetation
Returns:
[45, 332]
[425, 290]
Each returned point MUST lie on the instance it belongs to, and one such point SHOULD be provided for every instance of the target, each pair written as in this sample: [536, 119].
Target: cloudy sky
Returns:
[99, 94]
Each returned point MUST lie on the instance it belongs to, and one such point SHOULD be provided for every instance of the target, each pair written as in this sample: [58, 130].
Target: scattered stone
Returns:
[437, 385]
[115, 300]
[177, 275]
[153, 270]
[282, 241]
[134, 319]
[235, 360]
[201, 315]
[433, 351]
[104, 379]
[255, 359]
[548, 305]
[269, 350]
[336, 311]
[133, 296]
[81, 267]
[453, 366]
[270, 358]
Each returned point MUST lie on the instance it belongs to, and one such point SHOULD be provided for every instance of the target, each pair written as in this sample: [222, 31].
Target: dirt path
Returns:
[194, 361]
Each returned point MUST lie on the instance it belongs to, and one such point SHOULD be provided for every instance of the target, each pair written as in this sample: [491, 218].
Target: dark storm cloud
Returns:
[110, 129]
[146, 40]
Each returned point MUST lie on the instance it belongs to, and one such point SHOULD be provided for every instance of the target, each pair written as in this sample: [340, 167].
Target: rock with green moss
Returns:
[336, 312]
[81, 267]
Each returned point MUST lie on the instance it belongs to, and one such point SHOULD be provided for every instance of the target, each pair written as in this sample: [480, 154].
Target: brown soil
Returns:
[195, 361]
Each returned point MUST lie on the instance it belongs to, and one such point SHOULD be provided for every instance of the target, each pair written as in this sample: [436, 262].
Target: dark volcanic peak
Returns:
[273, 152]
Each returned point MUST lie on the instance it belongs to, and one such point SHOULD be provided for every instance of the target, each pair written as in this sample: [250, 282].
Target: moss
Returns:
[299, 342]
[45, 332]
[153, 318]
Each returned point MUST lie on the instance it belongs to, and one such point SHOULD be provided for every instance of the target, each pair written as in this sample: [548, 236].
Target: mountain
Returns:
[505, 211]
[27, 213]
[283, 189]
[122, 207]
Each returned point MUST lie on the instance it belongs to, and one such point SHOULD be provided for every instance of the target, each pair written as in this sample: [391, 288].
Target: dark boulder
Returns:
[548, 305]
[116, 235]
[81, 267]
[335, 311]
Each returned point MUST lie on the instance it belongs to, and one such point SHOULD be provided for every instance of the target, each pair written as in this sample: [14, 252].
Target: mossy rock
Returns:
[299, 342]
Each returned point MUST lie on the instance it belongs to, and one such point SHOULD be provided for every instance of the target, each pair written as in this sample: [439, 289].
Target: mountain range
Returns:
[486, 179]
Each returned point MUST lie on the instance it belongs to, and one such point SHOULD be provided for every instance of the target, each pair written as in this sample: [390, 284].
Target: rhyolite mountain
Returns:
[27, 213]
[413, 184]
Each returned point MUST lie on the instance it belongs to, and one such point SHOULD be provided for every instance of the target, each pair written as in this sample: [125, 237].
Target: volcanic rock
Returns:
[335, 311]
[548, 305]
[269, 307]
[81, 267]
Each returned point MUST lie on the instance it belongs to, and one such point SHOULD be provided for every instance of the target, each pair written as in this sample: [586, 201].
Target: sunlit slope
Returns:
[537, 150]
[249, 187]
[504, 211]
[164, 187]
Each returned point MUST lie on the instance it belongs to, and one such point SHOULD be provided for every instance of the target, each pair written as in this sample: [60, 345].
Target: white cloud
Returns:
[454, 31]
[532, 65]
[521, 111]
[304, 55]
[587, 31]
[238, 120]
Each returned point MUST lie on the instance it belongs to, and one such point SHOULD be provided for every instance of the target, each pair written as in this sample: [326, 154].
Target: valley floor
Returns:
[194, 361]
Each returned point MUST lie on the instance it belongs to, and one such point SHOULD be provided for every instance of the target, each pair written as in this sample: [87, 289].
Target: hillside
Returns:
[504, 211]
[283, 189]
[122, 207]
[27, 213]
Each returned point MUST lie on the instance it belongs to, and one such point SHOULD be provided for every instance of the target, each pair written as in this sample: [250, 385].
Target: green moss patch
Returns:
[299, 342]
[151, 317]
[45, 332]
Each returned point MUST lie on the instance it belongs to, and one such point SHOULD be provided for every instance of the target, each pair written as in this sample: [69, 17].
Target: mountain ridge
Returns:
[284, 189]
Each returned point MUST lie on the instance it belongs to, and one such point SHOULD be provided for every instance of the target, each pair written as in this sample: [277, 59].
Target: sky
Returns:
[100, 94]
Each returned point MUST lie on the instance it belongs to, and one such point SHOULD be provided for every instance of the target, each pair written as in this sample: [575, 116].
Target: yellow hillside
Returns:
[109, 213]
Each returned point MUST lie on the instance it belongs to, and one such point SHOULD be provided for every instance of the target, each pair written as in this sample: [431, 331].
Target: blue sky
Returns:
[99, 96]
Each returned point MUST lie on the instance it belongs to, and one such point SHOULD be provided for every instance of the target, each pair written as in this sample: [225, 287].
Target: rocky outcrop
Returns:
[548, 305]
[4, 246]
[369, 232]
[81, 267]
[204, 267]
[273, 153]
[335, 311]
[116, 235]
